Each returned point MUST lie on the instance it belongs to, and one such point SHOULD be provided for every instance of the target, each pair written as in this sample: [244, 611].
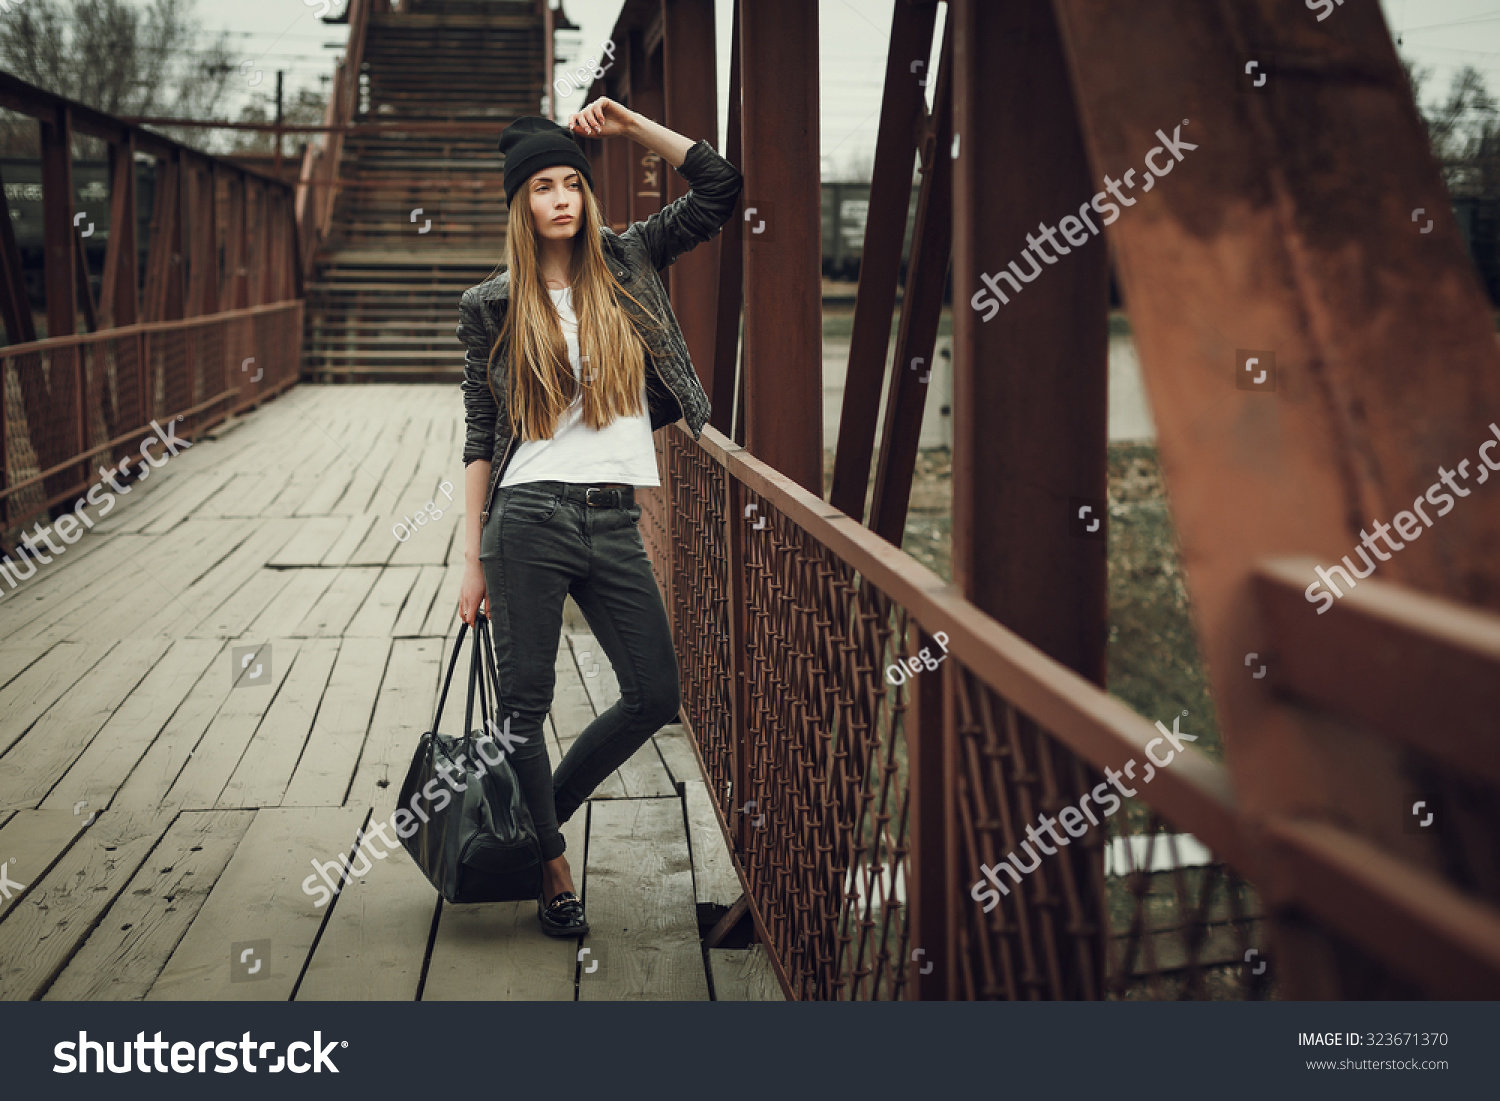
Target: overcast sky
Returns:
[854, 36]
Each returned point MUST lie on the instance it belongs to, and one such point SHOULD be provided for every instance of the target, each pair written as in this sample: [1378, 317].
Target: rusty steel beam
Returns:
[783, 279]
[60, 255]
[27, 99]
[119, 295]
[1029, 398]
[645, 94]
[16, 307]
[692, 109]
[724, 392]
[1439, 939]
[1417, 668]
[902, 105]
[921, 312]
[84, 289]
[1376, 366]
[1030, 376]
[236, 291]
[203, 282]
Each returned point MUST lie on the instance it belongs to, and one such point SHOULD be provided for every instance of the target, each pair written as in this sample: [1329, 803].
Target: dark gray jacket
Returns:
[645, 248]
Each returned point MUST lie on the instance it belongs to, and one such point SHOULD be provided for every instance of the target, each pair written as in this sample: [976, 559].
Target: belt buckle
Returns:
[588, 496]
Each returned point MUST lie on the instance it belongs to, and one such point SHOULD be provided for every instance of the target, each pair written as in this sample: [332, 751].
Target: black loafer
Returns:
[563, 916]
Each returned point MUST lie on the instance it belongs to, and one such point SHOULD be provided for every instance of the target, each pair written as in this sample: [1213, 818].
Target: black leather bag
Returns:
[478, 843]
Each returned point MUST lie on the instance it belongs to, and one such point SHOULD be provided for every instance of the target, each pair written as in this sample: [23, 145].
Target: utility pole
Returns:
[277, 169]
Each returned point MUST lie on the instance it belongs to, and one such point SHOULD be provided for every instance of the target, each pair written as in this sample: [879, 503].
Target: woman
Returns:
[574, 358]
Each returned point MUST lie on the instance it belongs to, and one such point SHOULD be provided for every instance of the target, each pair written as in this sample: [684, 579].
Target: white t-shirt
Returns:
[621, 451]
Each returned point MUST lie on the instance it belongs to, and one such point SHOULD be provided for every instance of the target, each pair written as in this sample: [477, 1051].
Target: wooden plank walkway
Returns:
[161, 804]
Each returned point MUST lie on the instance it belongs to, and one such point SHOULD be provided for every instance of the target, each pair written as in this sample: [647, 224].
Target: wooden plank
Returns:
[442, 617]
[29, 610]
[243, 708]
[403, 712]
[135, 724]
[715, 882]
[597, 672]
[233, 617]
[375, 942]
[30, 843]
[38, 936]
[418, 602]
[15, 659]
[265, 768]
[126, 952]
[304, 590]
[343, 720]
[38, 760]
[260, 897]
[162, 501]
[642, 774]
[252, 494]
[676, 749]
[29, 695]
[329, 617]
[312, 542]
[162, 572]
[377, 616]
[639, 899]
[497, 951]
[221, 505]
[571, 713]
[716, 885]
[218, 584]
[356, 530]
[744, 975]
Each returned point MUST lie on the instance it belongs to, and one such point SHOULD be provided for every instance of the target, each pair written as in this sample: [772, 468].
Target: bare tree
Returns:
[1464, 130]
[117, 58]
[307, 108]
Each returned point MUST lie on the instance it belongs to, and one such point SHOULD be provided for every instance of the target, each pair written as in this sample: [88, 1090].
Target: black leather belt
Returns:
[600, 496]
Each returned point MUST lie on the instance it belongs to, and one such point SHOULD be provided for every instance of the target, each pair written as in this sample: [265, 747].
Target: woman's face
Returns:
[556, 196]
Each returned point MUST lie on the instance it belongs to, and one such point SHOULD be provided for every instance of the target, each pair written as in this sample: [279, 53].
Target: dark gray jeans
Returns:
[536, 549]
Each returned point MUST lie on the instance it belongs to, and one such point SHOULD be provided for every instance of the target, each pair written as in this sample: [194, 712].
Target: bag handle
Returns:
[491, 667]
[473, 679]
[458, 646]
[482, 655]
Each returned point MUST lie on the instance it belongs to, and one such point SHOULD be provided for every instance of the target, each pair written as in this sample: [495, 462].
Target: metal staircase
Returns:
[420, 213]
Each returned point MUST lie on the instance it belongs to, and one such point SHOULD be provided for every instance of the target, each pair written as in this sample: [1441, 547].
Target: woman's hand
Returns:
[604, 118]
[472, 595]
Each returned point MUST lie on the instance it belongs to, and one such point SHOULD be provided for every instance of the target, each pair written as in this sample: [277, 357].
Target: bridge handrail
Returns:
[824, 781]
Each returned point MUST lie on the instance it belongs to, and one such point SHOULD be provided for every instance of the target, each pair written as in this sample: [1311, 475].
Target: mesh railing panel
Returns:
[793, 690]
[60, 401]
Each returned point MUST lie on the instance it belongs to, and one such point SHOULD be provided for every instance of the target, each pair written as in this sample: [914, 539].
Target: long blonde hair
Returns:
[612, 337]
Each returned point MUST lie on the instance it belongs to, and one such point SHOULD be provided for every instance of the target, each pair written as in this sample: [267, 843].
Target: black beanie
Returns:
[533, 143]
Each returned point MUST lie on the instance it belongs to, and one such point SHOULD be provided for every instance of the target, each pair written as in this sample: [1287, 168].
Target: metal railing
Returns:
[860, 802]
[317, 179]
[72, 404]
